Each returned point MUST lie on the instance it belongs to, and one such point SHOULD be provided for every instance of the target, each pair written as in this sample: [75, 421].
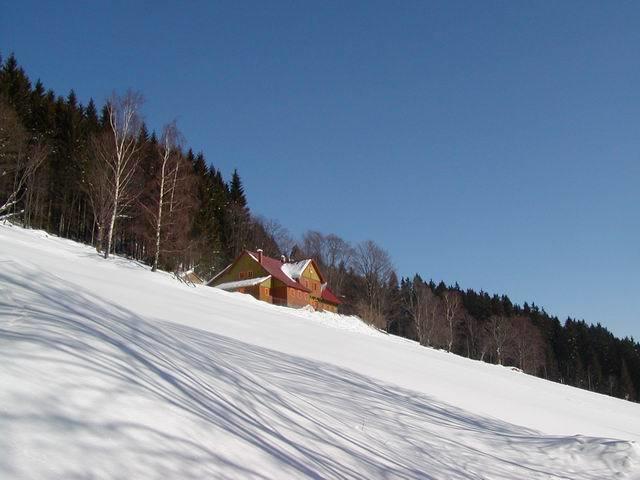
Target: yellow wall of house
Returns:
[273, 290]
[310, 279]
[261, 291]
[264, 292]
[311, 273]
[244, 264]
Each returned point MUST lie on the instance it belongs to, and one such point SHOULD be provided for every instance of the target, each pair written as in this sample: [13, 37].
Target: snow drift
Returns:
[111, 371]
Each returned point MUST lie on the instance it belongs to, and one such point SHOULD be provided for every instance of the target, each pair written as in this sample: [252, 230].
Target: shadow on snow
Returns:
[306, 418]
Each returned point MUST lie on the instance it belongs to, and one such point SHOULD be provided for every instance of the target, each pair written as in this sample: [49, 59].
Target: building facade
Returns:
[277, 281]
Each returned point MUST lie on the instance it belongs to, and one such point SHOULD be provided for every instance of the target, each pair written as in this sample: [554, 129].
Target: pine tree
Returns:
[237, 218]
[16, 87]
[236, 191]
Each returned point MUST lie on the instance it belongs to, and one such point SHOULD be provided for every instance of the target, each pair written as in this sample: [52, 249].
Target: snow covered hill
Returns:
[110, 371]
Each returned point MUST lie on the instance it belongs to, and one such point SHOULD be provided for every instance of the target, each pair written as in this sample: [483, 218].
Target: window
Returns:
[250, 274]
[242, 275]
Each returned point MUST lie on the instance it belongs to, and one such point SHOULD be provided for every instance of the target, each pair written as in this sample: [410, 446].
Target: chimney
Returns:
[283, 259]
[260, 256]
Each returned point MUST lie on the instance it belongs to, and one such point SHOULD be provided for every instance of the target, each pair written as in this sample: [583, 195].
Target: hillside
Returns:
[111, 371]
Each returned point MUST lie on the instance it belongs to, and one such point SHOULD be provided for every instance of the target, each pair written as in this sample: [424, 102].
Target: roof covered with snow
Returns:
[294, 270]
[274, 267]
[288, 273]
[250, 282]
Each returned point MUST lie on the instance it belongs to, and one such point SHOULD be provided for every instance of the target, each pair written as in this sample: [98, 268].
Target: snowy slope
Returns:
[111, 371]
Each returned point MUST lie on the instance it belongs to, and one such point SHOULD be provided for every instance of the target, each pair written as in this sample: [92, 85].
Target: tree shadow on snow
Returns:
[304, 418]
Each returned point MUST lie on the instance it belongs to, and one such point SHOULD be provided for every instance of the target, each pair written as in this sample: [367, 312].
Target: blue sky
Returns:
[495, 144]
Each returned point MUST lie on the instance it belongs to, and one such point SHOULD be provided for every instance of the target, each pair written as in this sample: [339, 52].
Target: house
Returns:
[281, 282]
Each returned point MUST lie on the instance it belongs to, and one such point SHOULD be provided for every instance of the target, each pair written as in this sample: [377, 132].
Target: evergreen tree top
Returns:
[236, 190]
[11, 65]
[91, 112]
[72, 100]
[104, 115]
[39, 89]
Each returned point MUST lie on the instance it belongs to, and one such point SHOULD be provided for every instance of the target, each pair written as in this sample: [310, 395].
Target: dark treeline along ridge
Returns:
[96, 174]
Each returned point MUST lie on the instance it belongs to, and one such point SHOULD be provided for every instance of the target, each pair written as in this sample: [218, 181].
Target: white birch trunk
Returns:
[112, 220]
[123, 119]
[165, 158]
[173, 187]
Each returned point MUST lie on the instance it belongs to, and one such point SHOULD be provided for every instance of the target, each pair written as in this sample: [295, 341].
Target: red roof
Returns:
[329, 296]
[272, 266]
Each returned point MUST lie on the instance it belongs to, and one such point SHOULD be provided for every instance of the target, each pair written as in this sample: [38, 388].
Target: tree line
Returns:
[490, 328]
[98, 176]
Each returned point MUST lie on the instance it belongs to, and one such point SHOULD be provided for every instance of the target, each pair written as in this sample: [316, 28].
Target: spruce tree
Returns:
[236, 190]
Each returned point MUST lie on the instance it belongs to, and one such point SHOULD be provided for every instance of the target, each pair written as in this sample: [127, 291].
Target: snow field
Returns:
[111, 371]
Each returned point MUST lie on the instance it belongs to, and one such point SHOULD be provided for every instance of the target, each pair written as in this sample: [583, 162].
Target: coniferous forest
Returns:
[94, 173]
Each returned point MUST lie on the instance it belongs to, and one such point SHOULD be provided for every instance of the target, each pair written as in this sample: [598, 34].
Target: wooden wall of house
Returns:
[297, 298]
[264, 291]
[261, 291]
[278, 291]
[273, 290]
[311, 280]
[253, 290]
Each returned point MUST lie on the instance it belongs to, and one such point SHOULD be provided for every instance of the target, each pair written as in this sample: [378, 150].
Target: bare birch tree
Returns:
[421, 304]
[333, 254]
[528, 344]
[416, 305]
[278, 233]
[374, 266]
[97, 185]
[339, 256]
[169, 159]
[19, 161]
[452, 309]
[499, 331]
[125, 124]
[313, 246]
[25, 169]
